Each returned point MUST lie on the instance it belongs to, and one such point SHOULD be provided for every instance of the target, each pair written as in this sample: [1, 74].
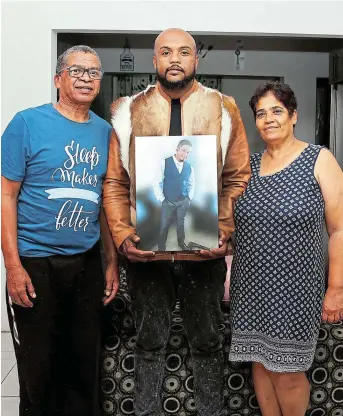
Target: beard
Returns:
[174, 85]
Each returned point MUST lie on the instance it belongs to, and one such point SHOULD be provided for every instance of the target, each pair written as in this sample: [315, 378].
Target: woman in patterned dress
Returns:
[278, 293]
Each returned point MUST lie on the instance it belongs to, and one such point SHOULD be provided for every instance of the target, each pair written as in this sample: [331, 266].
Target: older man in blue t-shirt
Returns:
[54, 160]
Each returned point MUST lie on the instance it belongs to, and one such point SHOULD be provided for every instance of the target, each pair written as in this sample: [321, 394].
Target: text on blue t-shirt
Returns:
[62, 165]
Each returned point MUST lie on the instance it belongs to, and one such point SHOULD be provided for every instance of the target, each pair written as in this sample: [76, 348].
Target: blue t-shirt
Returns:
[62, 165]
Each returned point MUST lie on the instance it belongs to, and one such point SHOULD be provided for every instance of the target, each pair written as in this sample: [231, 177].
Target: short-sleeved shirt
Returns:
[62, 165]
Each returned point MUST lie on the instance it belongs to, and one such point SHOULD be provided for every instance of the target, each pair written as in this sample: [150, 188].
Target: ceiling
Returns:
[219, 42]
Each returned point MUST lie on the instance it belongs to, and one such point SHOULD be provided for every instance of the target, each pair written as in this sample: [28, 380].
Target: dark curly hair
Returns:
[283, 92]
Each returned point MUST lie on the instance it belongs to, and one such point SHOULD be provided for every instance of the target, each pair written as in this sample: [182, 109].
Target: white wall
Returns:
[29, 32]
[29, 36]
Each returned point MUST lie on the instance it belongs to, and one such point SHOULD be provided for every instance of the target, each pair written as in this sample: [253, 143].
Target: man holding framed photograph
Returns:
[176, 106]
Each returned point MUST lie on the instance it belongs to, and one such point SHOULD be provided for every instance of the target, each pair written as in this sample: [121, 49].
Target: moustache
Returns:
[175, 68]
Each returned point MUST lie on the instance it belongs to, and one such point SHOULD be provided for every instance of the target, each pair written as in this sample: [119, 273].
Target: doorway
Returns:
[323, 102]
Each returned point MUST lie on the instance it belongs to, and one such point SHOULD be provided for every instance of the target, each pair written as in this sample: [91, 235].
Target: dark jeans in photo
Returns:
[154, 288]
[57, 341]
[169, 211]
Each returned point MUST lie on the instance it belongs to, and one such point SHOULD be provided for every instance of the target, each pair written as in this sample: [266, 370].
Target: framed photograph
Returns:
[176, 192]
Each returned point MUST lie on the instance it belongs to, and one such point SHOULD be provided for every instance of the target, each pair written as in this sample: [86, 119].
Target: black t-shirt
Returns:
[175, 118]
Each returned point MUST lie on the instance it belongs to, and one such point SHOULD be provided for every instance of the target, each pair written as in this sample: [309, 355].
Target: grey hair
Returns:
[62, 59]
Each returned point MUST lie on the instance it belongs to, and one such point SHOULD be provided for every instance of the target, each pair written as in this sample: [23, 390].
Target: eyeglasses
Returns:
[78, 72]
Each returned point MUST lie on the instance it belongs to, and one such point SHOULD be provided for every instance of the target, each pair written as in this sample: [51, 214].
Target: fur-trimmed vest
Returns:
[204, 111]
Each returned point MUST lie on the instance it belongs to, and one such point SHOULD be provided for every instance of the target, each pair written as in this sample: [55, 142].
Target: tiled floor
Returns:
[9, 377]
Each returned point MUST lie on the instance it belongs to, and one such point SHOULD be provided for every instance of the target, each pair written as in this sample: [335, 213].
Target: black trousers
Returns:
[169, 211]
[57, 341]
[154, 288]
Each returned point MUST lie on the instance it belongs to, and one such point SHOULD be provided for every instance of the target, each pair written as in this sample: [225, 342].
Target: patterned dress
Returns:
[278, 271]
